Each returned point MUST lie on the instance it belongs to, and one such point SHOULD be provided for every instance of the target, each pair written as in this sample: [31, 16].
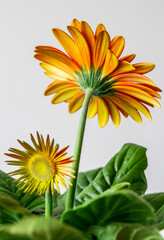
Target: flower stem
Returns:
[48, 204]
[78, 147]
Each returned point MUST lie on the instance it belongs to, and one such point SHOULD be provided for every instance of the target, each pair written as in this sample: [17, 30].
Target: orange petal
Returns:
[140, 86]
[117, 45]
[128, 58]
[89, 35]
[92, 109]
[123, 67]
[75, 23]
[127, 108]
[138, 93]
[58, 60]
[101, 47]
[133, 77]
[103, 113]
[57, 86]
[136, 104]
[143, 67]
[55, 73]
[100, 28]
[64, 95]
[110, 63]
[76, 102]
[114, 112]
[82, 46]
[68, 44]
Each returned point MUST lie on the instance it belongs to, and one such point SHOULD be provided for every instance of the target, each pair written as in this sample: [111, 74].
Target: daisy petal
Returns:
[92, 109]
[117, 45]
[143, 67]
[103, 114]
[101, 47]
[81, 45]
[123, 67]
[64, 94]
[128, 58]
[127, 108]
[114, 112]
[110, 63]
[100, 28]
[76, 102]
[76, 24]
[68, 44]
[89, 35]
[57, 86]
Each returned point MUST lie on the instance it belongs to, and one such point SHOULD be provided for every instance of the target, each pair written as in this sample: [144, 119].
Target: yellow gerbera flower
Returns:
[41, 165]
[93, 62]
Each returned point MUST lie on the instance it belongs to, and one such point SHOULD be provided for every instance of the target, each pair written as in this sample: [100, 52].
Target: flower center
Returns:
[101, 86]
[41, 168]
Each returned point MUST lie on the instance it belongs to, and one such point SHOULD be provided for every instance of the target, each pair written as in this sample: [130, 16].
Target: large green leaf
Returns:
[127, 165]
[157, 201]
[9, 189]
[11, 210]
[111, 206]
[119, 231]
[40, 228]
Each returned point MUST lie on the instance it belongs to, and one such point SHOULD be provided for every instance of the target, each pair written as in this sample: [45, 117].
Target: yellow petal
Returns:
[54, 72]
[128, 58]
[68, 44]
[136, 104]
[117, 45]
[75, 23]
[76, 102]
[92, 109]
[138, 93]
[110, 63]
[143, 67]
[133, 77]
[103, 114]
[89, 35]
[100, 28]
[82, 46]
[57, 86]
[123, 67]
[127, 108]
[64, 94]
[114, 112]
[101, 47]
[58, 60]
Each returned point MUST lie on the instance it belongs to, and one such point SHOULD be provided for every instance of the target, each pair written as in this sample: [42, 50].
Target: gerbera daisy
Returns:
[41, 165]
[93, 64]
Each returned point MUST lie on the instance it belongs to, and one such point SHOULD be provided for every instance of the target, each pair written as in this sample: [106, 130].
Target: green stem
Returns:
[78, 147]
[48, 204]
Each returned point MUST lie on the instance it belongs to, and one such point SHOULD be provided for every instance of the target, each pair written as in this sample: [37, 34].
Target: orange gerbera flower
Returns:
[93, 62]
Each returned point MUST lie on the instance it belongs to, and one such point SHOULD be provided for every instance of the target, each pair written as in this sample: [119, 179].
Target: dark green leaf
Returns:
[157, 201]
[127, 165]
[111, 206]
[10, 210]
[40, 228]
[119, 231]
[9, 189]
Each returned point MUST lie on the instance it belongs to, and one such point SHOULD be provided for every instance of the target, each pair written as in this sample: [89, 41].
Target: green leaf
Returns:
[111, 206]
[119, 231]
[157, 201]
[40, 228]
[9, 189]
[11, 211]
[127, 165]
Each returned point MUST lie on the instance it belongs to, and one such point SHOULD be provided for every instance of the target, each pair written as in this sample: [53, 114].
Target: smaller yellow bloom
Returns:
[41, 166]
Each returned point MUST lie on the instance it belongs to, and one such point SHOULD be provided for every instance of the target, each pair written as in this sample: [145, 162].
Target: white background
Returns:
[23, 106]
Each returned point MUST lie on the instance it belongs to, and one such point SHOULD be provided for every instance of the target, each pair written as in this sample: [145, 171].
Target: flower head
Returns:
[93, 61]
[41, 165]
